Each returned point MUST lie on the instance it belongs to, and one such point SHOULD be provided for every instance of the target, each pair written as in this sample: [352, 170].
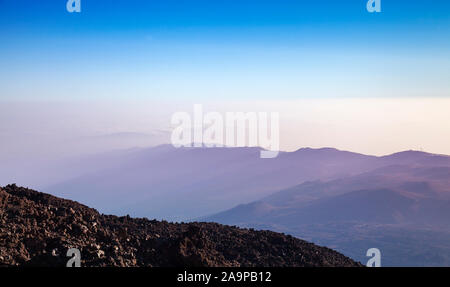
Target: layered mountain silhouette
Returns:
[395, 208]
[153, 182]
[348, 201]
[38, 229]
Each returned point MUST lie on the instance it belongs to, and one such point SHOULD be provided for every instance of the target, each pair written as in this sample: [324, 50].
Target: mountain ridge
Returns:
[391, 204]
[208, 179]
[37, 229]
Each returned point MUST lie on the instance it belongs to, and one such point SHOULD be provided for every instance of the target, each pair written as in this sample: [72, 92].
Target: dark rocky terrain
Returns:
[37, 229]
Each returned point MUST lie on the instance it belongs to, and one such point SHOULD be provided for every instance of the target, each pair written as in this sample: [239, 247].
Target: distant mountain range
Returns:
[394, 208]
[186, 183]
[398, 203]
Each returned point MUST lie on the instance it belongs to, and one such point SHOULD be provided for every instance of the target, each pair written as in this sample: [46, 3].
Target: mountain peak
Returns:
[408, 153]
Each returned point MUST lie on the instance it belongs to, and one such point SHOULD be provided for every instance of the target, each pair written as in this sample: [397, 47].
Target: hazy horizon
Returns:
[66, 129]
[111, 76]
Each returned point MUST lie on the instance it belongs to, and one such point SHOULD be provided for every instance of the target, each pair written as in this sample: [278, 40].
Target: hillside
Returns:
[37, 229]
[207, 179]
[402, 210]
[204, 179]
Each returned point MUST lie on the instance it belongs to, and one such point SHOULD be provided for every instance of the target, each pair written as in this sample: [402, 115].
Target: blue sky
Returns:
[220, 50]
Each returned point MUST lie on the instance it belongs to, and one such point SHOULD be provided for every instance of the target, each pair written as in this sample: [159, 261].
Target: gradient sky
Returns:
[214, 49]
[375, 83]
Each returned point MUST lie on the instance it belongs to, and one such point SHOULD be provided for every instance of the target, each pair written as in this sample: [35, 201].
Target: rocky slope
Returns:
[37, 229]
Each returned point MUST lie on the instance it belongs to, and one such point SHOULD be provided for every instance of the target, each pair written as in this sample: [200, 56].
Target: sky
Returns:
[340, 77]
[223, 49]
